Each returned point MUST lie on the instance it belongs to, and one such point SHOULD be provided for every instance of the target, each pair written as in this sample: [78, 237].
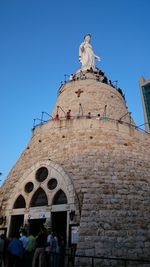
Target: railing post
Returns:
[92, 262]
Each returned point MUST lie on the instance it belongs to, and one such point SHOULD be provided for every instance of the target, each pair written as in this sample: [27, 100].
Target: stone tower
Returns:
[85, 173]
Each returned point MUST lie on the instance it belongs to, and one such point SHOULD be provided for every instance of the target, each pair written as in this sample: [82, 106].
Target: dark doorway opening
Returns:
[59, 223]
[35, 225]
[15, 225]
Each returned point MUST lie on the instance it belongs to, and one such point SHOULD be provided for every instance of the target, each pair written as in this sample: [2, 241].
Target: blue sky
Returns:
[39, 41]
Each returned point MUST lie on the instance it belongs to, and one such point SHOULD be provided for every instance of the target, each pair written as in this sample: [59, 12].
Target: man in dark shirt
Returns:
[39, 254]
[2, 244]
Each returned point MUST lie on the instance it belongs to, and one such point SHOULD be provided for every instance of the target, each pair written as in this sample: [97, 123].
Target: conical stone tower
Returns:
[85, 175]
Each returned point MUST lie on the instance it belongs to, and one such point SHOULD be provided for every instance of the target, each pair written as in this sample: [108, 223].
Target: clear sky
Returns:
[39, 41]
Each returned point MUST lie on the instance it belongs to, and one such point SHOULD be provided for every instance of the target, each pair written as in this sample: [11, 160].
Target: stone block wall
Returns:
[109, 165]
[94, 97]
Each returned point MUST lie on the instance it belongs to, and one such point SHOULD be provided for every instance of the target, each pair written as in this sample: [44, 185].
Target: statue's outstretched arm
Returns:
[97, 57]
[81, 50]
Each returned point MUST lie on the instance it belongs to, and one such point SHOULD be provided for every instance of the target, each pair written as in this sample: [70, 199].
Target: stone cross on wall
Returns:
[79, 92]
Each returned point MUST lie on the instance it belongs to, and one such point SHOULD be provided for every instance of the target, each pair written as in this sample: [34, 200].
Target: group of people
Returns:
[67, 115]
[100, 76]
[88, 116]
[44, 250]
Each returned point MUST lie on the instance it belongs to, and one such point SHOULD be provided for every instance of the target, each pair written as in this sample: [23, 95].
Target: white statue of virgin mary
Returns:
[86, 54]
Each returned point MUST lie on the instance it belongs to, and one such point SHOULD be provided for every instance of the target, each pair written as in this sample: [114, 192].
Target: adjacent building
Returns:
[145, 93]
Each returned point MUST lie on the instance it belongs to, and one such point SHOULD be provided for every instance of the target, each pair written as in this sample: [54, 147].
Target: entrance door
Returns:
[35, 225]
[59, 223]
[15, 225]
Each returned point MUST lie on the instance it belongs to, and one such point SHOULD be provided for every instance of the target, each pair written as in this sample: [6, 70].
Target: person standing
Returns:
[48, 247]
[54, 249]
[24, 239]
[62, 250]
[30, 250]
[2, 245]
[15, 252]
[39, 254]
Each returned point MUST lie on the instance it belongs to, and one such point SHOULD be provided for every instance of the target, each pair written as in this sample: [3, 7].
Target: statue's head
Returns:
[87, 37]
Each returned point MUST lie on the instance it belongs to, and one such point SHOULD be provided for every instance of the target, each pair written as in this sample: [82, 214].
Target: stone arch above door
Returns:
[19, 202]
[55, 171]
[59, 198]
[39, 198]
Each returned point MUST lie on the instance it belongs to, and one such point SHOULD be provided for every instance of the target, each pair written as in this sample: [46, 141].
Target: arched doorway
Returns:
[15, 225]
[59, 217]
[17, 220]
[39, 199]
[48, 195]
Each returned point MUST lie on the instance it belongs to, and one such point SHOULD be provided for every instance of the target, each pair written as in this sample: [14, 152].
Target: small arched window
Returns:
[39, 198]
[60, 198]
[19, 203]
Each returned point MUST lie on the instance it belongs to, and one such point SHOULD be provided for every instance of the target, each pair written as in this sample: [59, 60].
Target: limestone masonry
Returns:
[101, 164]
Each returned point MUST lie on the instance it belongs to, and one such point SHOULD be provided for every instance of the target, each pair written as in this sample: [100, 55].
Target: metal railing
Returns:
[73, 260]
[102, 118]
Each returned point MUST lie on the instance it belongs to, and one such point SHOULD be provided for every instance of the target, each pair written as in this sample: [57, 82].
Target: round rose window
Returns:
[29, 187]
[41, 174]
[52, 183]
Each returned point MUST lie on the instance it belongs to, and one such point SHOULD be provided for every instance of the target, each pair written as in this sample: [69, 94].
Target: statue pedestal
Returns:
[88, 74]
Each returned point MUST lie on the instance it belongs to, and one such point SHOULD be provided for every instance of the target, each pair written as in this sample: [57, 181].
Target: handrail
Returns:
[102, 118]
[71, 260]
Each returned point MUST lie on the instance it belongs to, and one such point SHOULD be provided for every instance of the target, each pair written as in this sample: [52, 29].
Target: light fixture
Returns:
[2, 220]
[72, 214]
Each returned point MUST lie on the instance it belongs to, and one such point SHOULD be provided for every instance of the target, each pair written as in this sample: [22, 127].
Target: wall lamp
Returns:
[72, 214]
[2, 220]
